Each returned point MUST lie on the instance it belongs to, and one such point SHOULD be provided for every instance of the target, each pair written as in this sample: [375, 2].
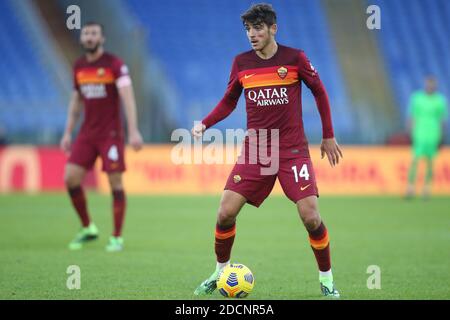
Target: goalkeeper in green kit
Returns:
[427, 112]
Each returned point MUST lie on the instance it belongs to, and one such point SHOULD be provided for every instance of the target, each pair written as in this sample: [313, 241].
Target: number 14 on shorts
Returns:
[303, 173]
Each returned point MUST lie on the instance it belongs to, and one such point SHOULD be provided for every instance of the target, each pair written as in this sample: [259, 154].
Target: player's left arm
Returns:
[310, 77]
[126, 93]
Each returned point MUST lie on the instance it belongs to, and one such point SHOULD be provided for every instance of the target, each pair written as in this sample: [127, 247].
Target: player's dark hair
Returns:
[260, 13]
[94, 23]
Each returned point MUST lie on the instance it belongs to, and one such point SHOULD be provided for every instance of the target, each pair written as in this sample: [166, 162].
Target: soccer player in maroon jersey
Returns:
[270, 75]
[100, 79]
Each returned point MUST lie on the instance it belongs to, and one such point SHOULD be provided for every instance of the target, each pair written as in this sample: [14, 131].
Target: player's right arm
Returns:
[225, 106]
[75, 109]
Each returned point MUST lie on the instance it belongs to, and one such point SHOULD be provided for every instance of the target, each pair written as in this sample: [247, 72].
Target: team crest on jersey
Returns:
[237, 178]
[282, 72]
[100, 72]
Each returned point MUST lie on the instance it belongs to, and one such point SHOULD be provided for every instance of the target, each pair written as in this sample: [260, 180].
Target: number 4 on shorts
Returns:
[113, 153]
[302, 174]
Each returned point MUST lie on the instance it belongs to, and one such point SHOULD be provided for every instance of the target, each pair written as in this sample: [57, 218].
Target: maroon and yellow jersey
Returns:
[98, 82]
[272, 89]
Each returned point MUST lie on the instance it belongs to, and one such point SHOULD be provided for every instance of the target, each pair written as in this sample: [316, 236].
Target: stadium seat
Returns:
[30, 101]
[415, 48]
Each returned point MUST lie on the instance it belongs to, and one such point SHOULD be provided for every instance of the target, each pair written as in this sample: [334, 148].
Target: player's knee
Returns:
[311, 217]
[115, 181]
[116, 185]
[311, 223]
[226, 215]
[71, 179]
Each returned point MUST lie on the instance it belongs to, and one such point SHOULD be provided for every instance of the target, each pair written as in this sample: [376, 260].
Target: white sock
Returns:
[221, 265]
[326, 274]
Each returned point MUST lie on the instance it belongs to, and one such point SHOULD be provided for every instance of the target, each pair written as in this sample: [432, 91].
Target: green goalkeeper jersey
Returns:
[427, 112]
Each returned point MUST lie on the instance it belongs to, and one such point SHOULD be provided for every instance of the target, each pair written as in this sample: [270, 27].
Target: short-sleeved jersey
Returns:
[272, 89]
[97, 84]
[427, 111]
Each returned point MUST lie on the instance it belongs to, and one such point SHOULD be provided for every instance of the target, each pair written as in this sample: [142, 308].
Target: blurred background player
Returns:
[427, 112]
[100, 79]
[271, 76]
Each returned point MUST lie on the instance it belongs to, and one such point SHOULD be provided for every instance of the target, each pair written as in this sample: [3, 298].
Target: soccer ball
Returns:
[235, 281]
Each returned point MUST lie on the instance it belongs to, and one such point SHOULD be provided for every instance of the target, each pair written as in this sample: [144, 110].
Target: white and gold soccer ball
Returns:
[235, 281]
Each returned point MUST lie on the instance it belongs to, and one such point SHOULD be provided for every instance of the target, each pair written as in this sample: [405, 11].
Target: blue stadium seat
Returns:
[29, 100]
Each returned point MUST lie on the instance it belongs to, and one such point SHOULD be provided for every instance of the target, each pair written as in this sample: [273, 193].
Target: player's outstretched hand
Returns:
[330, 148]
[65, 143]
[135, 140]
[198, 129]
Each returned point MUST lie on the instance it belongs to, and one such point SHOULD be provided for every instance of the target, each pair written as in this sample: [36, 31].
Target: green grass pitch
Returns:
[169, 248]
